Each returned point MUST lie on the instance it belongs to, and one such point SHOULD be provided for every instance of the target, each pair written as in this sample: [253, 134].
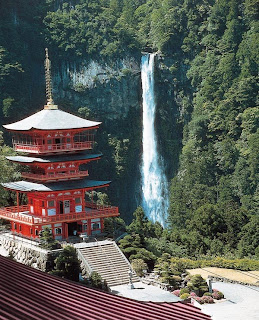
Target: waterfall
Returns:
[155, 200]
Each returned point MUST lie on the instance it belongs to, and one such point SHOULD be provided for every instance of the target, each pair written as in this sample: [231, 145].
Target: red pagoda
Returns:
[56, 144]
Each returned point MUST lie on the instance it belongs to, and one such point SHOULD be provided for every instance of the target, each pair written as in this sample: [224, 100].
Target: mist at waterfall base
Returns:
[155, 198]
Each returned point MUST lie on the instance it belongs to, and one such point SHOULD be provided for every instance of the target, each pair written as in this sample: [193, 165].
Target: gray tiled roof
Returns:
[51, 120]
[50, 159]
[26, 186]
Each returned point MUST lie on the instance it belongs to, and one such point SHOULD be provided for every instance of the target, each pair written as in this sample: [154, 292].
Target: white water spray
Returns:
[155, 200]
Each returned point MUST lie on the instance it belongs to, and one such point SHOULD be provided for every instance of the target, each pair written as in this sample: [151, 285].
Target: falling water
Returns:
[154, 183]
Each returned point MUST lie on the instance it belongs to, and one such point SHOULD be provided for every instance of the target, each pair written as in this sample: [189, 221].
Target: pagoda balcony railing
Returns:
[21, 214]
[55, 176]
[17, 213]
[49, 148]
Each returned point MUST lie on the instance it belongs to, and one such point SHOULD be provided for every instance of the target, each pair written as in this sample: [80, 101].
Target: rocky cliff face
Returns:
[112, 92]
[109, 90]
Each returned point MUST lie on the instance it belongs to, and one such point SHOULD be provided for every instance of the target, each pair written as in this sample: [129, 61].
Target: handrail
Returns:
[83, 259]
[110, 263]
[55, 175]
[15, 214]
[46, 148]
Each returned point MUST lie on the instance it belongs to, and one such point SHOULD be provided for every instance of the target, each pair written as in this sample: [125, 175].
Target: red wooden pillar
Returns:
[102, 224]
[65, 232]
[53, 230]
[89, 230]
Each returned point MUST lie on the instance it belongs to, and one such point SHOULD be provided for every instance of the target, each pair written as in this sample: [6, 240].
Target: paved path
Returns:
[144, 292]
[242, 304]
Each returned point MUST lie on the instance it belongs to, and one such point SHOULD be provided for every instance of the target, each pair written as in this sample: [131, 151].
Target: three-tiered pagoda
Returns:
[56, 144]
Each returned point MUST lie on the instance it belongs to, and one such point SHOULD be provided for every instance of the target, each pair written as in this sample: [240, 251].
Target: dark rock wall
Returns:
[112, 92]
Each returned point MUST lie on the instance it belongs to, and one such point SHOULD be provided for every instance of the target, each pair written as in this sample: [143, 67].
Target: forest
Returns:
[207, 127]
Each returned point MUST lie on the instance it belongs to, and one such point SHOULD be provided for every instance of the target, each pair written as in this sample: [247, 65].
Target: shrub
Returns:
[176, 292]
[198, 299]
[184, 290]
[96, 281]
[184, 296]
[245, 264]
[193, 294]
[67, 264]
[207, 299]
[47, 241]
[139, 265]
[197, 284]
[217, 295]
[207, 294]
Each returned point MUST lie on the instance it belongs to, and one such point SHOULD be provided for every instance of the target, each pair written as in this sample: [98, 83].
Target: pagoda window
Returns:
[49, 141]
[20, 227]
[83, 136]
[58, 231]
[15, 226]
[51, 204]
[78, 200]
[51, 208]
[36, 232]
[78, 205]
[95, 226]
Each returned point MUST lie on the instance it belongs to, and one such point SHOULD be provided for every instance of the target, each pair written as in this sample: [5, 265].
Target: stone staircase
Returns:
[106, 258]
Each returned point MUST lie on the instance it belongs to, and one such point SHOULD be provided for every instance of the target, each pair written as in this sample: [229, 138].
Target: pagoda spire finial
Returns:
[50, 102]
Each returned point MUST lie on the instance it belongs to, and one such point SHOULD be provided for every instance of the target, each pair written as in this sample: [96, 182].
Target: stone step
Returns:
[109, 262]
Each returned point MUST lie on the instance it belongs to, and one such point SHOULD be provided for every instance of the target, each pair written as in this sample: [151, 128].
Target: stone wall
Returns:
[226, 280]
[27, 252]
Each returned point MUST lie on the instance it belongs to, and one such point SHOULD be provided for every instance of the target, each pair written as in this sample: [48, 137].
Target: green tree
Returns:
[96, 281]
[67, 264]
[198, 285]
[208, 221]
[139, 266]
[249, 240]
[47, 241]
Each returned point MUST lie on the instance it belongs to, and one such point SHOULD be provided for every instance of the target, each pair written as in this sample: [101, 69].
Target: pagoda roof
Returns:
[50, 159]
[51, 119]
[26, 186]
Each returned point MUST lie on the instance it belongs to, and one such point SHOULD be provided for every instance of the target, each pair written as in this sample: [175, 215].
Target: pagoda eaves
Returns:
[48, 119]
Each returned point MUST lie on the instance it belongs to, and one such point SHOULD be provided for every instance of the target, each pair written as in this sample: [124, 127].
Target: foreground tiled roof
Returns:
[29, 294]
[51, 120]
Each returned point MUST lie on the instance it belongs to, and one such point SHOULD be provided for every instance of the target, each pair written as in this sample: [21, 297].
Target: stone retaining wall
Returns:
[226, 280]
[28, 252]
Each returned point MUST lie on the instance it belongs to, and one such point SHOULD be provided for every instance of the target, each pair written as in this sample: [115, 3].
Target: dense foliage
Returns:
[96, 281]
[213, 49]
[67, 265]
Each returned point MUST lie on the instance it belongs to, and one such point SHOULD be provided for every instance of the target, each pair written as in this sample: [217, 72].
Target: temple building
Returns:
[56, 148]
